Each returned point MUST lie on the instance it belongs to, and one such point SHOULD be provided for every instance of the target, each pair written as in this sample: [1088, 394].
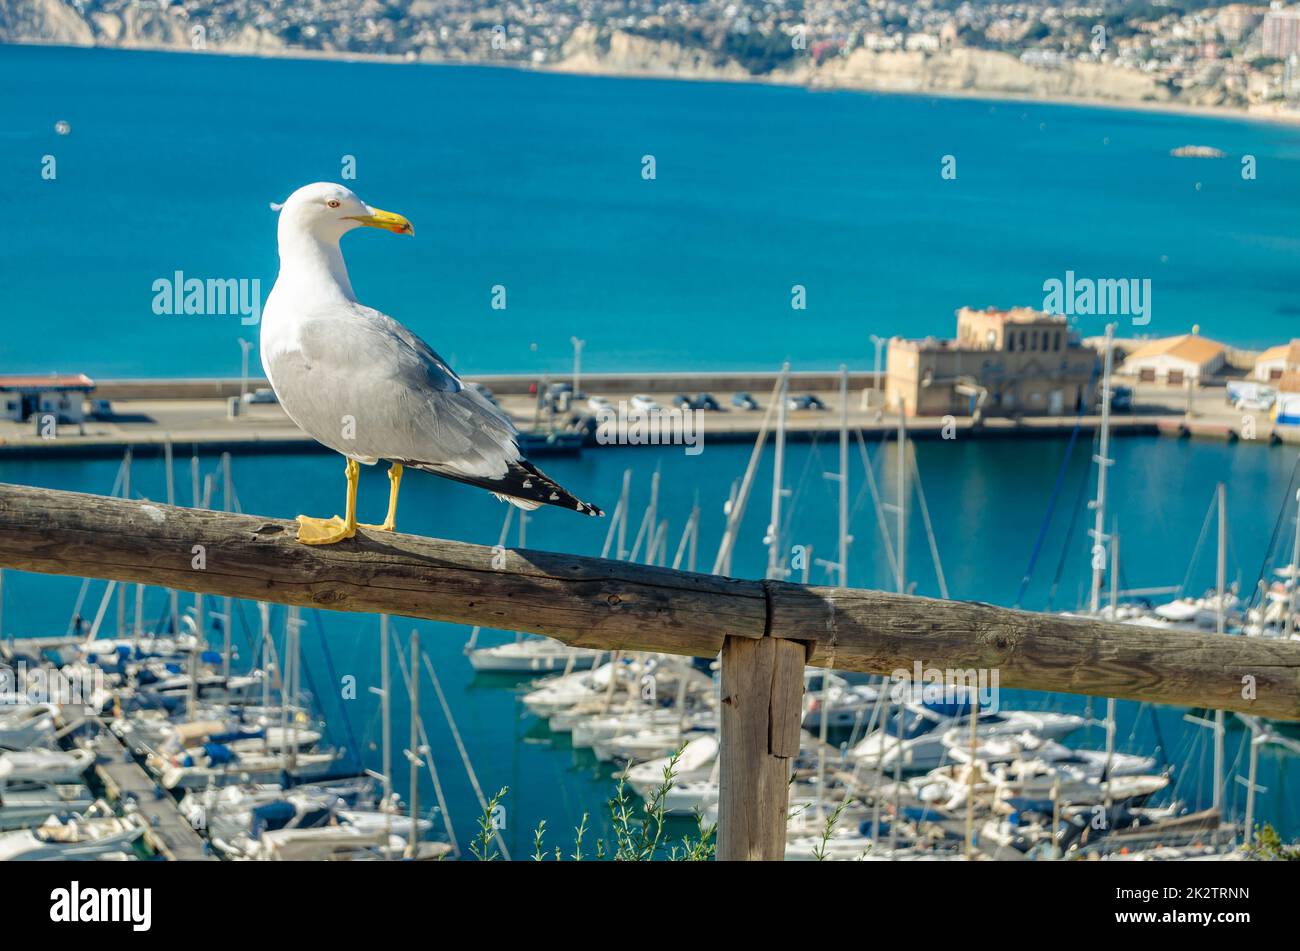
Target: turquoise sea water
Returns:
[986, 500]
[533, 181]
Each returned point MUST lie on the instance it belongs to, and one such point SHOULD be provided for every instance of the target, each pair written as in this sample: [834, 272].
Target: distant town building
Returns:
[1176, 360]
[1286, 408]
[1276, 361]
[63, 397]
[1280, 34]
[1237, 20]
[1002, 363]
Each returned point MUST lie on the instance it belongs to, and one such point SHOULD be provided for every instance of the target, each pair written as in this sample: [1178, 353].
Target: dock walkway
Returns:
[166, 829]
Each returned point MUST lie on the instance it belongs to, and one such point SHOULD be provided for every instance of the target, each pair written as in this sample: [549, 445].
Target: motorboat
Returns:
[652, 742]
[561, 693]
[27, 725]
[696, 762]
[51, 766]
[35, 784]
[215, 764]
[77, 839]
[915, 732]
[532, 655]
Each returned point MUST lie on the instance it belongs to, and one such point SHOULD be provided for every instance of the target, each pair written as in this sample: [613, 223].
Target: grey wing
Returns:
[406, 404]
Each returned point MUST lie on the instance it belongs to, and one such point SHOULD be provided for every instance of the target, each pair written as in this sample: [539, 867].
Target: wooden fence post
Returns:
[762, 705]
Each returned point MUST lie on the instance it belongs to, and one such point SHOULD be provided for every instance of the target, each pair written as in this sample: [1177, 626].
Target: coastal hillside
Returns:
[982, 71]
[956, 70]
[1037, 53]
[128, 26]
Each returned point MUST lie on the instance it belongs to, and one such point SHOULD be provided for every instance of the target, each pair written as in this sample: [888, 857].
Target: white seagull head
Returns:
[326, 211]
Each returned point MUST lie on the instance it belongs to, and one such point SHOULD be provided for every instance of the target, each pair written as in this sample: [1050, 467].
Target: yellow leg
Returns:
[394, 483]
[327, 531]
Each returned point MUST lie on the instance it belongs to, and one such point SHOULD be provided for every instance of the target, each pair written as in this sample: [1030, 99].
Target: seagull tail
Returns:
[526, 486]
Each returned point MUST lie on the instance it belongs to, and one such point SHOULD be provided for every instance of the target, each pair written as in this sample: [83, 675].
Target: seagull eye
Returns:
[333, 203]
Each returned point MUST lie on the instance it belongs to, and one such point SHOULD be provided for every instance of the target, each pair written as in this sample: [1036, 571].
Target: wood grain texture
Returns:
[587, 602]
[614, 605]
[877, 632]
[762, 692]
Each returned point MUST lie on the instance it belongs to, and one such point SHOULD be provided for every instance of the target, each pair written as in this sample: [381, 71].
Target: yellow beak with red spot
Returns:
[387, 220]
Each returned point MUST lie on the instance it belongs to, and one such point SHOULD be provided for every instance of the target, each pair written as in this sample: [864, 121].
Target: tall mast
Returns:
[227, 604]
[1252, 771]
[844, 477]
[121, 589]
[195, 498]
[173, 598]
[1293, 582]
[1220, 586]
[386, 709]
[739, 498]
[902, 496]
[1110, 701]
[774, 556]
[617, 523]
[264, 616]
[1103, 461]
[414, 752]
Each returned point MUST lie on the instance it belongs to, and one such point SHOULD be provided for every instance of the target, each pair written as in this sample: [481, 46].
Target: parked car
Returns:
[642, 402]
[598, 404]
[744, 401]
[1255, 404]
[806, 401]
[99, 409]
[1121, 399]
[263, 394]
[704, 401]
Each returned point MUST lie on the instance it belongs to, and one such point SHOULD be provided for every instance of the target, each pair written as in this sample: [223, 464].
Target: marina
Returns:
[881, 770]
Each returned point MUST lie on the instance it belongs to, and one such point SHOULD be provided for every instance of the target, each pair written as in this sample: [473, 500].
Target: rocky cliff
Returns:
[964, 70]
[59, 23]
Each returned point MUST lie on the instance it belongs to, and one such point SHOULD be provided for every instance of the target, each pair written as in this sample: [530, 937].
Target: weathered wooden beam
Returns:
[881, 633]
[581, 601]
[595, 603]
[762, 708]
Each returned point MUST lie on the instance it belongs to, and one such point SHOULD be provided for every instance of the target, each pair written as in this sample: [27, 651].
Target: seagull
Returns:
[362, 384]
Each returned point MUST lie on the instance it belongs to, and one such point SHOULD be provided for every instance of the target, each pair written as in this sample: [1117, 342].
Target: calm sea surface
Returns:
[534, 182]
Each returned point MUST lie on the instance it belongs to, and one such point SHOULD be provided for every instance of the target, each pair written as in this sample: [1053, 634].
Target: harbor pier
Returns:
[197, 412]
[167, 831]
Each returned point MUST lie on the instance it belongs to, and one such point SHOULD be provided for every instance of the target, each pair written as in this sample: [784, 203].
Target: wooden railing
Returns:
[764, 631]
